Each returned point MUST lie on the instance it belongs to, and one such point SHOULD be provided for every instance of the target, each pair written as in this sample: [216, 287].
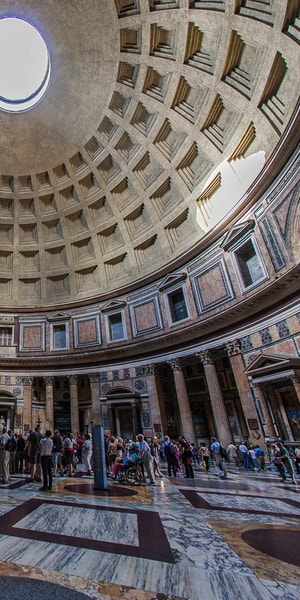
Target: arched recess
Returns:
[121, 412]
[8, 412]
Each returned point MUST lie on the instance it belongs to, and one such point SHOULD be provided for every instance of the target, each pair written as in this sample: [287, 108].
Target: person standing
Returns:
[245, 454]
[57, 453]
[80, 440]
[145, 457]
[286, 461]
[155, 451]
[4, 456]
[233, 454]
[19, 459]
[69, 452]
[87, 453]
[205, 455]
[12, 446]
[219, 461]
[186, 457]
[260, 453]
[34, 439]
[170, 455]
[46, 460]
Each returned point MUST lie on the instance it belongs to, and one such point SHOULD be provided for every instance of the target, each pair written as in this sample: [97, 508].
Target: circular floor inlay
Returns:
[33, 589]
[24, 65]
[278, 543]
[88, 488]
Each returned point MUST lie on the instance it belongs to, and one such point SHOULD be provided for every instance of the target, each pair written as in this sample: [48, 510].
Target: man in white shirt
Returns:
[245, 453]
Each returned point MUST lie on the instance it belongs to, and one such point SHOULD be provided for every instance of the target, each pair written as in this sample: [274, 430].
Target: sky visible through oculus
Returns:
[24, 61]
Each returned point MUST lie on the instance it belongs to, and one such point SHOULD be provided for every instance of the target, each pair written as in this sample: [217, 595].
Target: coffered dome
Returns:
[113, 176]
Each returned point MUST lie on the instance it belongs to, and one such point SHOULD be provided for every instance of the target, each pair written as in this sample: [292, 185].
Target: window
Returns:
[5, 336]
[248, 263]
[177, 305]
[115, 326]
[59, 336]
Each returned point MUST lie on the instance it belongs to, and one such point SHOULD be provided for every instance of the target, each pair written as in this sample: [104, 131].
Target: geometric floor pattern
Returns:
[183, 539]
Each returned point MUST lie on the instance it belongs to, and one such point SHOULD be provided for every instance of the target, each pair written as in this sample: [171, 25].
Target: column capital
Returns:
[150, 369]
[94, 377]
[233, 347]
[175, 364]
[27, 380]
[49, 379]
[205, 357]
[72, 379]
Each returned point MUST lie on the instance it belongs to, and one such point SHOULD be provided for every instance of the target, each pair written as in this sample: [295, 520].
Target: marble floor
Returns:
[182, 539]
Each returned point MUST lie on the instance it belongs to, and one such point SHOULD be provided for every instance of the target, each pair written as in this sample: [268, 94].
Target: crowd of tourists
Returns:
[43, 456]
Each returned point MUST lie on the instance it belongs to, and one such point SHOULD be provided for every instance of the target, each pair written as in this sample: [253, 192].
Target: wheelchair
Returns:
[130, 475]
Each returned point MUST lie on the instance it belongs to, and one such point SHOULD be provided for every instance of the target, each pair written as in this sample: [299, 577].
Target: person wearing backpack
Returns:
[218, 455]
[170, 455]
[12, 447]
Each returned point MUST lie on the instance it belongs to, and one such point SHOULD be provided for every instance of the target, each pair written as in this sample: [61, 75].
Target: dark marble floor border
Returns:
[152, 541]
[195, 498]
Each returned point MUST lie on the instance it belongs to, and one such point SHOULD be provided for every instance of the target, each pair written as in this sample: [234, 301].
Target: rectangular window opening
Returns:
[116, 329]
[177, 304]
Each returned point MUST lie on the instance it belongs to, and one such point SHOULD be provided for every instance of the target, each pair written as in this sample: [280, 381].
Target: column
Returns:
[27, 414]
[49, 412]
[282, 413]
[266, 417]
[74, 404]
[135, 420]
[95, 397]
[184, 406]
[153, 399]
[255, 431]
[223, 431]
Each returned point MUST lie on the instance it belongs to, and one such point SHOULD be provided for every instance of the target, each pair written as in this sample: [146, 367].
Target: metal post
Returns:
[100, 475]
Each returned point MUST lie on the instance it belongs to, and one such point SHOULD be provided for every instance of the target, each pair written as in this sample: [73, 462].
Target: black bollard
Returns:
[100, 475]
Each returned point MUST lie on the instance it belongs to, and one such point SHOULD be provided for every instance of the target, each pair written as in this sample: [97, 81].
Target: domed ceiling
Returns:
[112, 175]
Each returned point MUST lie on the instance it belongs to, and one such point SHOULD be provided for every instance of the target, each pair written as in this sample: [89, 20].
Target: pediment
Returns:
[270, 363]
[59, 316]
[171, 280]
[235, 233]
[113, 305]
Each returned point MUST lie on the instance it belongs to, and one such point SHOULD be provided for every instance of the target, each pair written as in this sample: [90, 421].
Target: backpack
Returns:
[223, 452]
[11, 444]
[169, 449]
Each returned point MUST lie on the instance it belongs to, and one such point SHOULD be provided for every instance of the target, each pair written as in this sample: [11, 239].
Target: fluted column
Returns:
[153, 398]
[49, 412]
[95, 397]
[255, 431]
[184, 406]
[27, 410]
[223, 431]
[74, 403]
